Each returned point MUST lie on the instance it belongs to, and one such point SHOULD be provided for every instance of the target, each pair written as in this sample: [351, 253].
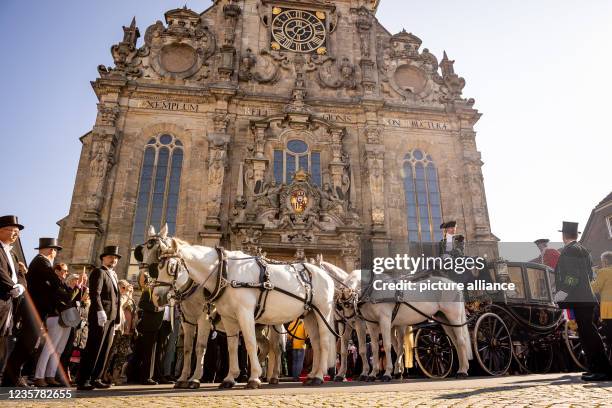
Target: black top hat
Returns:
[570, 228]
[110, 250]
[48, 243]
[541, 241]
[10, 221]
[450, 224]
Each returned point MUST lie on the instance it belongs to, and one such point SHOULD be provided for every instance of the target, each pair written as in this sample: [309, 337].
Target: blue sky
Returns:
[538, 72]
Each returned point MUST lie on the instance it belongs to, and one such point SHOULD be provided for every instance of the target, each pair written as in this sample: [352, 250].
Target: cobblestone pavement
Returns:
[557, 390]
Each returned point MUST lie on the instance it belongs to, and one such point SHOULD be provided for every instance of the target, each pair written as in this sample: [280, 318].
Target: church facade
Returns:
[285, 127]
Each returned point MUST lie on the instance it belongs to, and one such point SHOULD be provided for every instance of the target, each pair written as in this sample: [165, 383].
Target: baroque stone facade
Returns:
[293, 119]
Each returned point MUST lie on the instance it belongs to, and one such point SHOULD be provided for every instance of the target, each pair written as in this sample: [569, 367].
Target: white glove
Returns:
[102, 318]
[17, 290]
[560, 296]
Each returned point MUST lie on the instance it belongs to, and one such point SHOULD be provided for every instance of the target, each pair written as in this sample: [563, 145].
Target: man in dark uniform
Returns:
[149, 323]
[574, 273]
[12, 283]
[33, 311]
[102, 318]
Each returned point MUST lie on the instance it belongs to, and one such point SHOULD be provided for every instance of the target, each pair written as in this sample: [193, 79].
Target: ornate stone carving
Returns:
[374, 166]
[181, 50]
[263, 70]
[249, 239]
[454, 83]
[364, 25]
[337, 75]
[101, 159]
[124, 55]
[217, 163]
[107, 114]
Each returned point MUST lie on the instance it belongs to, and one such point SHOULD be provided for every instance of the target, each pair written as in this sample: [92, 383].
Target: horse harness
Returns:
[264, 285]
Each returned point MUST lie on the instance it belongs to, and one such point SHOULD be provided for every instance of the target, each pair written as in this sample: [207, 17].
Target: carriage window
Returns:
[537, 284]
[158, 190]
[422, 194]
[296, 156]
[516, 277]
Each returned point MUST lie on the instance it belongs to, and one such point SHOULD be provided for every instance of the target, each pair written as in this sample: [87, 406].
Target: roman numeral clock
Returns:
[299, 30]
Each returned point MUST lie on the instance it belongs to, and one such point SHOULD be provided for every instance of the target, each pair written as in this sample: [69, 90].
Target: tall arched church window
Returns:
[158, 189]
[422, 192]
[296, 155]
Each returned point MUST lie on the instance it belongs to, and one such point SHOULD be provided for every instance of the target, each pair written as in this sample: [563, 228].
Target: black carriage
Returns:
[524, 325]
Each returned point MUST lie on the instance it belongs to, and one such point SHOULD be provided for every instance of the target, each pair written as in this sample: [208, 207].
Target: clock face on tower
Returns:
[298, 30]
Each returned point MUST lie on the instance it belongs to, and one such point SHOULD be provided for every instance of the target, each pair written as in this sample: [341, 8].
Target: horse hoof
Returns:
[253, 385]
[462, 376]
[225, 385]
[274, 381]
[386, 378]
[308, 381]
[371, 378]
[363, 377]
[397, 376]
[181, 385]
[194, 385]
[314, 382]
[339, 378]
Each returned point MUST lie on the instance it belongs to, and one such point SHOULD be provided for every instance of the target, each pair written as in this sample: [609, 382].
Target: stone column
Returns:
[102, 158]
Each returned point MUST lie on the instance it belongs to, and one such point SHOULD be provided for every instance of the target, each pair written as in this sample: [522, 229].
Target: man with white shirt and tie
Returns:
[12, 281]
[102, 318]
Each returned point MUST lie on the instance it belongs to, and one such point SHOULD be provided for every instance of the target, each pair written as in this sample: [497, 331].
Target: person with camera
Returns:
[62, 296]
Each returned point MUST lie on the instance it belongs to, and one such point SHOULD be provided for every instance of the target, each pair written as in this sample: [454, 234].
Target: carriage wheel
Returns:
[433, 351]
[492, 344]
[534, 355]
[574, 345]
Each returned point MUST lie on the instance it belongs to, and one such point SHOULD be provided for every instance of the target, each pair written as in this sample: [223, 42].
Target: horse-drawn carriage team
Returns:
[244, 304]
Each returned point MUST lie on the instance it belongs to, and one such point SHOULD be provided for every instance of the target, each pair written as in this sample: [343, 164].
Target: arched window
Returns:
[423, 208]
[158, 191]
[297, 155]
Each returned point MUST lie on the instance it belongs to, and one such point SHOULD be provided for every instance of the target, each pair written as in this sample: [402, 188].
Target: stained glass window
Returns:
[158, 189]
[422, 194]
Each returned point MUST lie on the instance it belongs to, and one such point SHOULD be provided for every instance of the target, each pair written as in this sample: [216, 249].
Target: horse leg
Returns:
[398, 345]
[201, 343]
[310, 324]
[385, 328]
[273, 353]
[247, 326]
[363, 349]
[374, 331]
[343, 353]
[188, 334]
[263, 348]
[232, 330]
[325, 348]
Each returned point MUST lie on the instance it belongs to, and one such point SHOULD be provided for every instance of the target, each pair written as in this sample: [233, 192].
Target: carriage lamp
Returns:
[501, 271]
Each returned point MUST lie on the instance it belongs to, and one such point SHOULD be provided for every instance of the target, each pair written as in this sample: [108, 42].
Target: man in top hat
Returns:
[548, 256]
[33, 311]
[451, 245]
[12, 281]
[573, 276]
[102, 318]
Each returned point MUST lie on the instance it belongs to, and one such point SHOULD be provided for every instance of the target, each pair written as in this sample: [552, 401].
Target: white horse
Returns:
[233, 280]
[351, 320]
[427, 302]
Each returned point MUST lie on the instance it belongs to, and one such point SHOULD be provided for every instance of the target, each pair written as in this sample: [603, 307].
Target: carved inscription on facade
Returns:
[170, 106]
[417, 124]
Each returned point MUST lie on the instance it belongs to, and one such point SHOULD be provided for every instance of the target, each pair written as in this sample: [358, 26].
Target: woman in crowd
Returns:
[62, 298]
[123, 335]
